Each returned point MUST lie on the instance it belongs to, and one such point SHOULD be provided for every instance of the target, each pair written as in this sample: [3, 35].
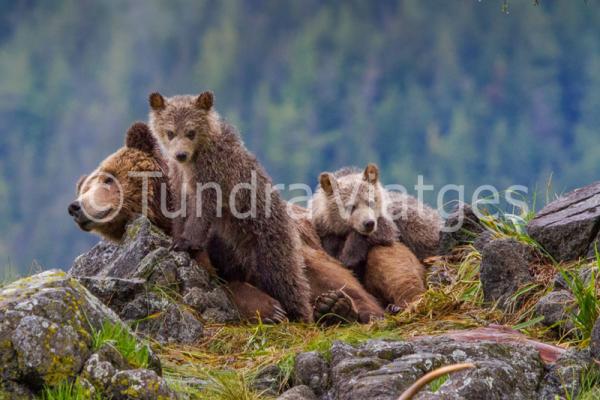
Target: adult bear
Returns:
[111, 196]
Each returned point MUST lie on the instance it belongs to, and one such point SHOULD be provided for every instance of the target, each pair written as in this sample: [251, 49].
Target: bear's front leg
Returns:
[354, 253]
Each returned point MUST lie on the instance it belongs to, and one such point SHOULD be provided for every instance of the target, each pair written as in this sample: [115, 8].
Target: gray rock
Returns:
[174, 325]
[131, 277]
[139, 384]
[557, 308]
[595, 340]
[461, 227]
[144, 305]
[159, 268]
[311, 369]
[301, 392]
[105, 260]
[385, 350]
[98, 372]
[504, 269]
[268, 381]
[482, 240]
[503, 370]
[564, 376]
[13, 391]
[568, 227]
[114, 292]
[213, 304]
[46, 325]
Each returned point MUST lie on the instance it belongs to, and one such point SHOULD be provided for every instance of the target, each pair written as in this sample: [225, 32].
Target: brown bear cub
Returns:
[209, 165]
[351, 212]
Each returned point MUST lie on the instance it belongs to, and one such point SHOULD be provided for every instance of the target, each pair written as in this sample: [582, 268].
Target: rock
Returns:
[46, 326]
[174, 325]
[114, 292]
[504, 269]
[505, 368]
[482, 240]
[159, 268]
[132, 278]
[301, 392]
[142, 384]
[557, 307]
[311, 369]
[384, 349]
[211, 304]
[268, 381]
[563, 377]
[461, 227]
[122, 261]
[98, 372]
[568, 227]
[10, 390]
[595, 340]
[144, 305]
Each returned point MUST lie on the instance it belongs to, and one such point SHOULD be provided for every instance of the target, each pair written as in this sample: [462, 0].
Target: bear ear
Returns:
[205, 100]
[157, 102]
[326, 180]
[371, 174]
[140, 137]
[80, 181]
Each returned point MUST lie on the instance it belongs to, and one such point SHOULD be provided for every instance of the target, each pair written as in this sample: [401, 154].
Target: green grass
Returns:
[437, 383]
[589, 385]
[67, 391]
[135, 352]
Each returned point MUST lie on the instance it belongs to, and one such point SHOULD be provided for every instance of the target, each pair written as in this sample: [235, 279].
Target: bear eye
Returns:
[170, 135]
[191, 134]
[109, 180]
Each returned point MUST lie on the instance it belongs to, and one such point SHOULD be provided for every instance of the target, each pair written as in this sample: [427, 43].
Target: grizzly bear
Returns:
[360, 204]
[203, 149]
[141, 153]
[350, 212]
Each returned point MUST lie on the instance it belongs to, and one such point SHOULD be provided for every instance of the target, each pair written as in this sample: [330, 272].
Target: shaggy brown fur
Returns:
[349, 199]
[249, 300]
[206, 150]
[348, 212]
[394, 275]
[111, 182]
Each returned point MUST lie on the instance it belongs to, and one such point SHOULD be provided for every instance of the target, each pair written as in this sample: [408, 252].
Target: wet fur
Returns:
[267, 248]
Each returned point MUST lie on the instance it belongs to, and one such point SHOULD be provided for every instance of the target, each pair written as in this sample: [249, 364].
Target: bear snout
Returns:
[74, 209]
[369, 225]
[181, 156]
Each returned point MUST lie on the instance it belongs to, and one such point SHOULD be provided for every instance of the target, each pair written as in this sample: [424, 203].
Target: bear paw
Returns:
[393, 309]
[334, 307]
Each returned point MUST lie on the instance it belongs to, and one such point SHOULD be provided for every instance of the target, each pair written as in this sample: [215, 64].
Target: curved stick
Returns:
[430, 376]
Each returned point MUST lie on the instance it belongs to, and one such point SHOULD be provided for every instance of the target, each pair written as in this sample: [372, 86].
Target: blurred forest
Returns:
[466, 92]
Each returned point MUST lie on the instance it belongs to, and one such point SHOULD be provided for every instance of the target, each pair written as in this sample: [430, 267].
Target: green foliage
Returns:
[68, 391]
[437, 383]
[117, 335]
[586, 298]
[458, 92]
[589, 382]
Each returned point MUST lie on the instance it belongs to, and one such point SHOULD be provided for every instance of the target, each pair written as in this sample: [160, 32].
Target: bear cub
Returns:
[352, 213]
[207, 159]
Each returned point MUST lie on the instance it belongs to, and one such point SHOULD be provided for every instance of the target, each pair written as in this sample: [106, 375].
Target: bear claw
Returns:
[334, 307]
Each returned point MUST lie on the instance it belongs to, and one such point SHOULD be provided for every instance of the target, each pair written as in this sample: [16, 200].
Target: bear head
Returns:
[183, 123]
[349, 199]
[126, 184]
